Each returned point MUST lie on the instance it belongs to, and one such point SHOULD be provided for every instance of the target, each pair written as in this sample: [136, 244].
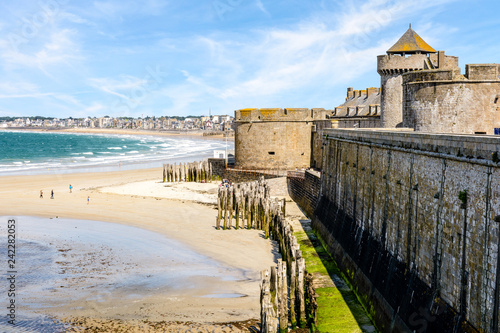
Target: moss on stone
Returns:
[338, 310]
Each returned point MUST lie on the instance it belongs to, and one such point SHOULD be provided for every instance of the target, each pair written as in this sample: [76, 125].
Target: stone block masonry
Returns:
[410, 219]
[278, 139]
[303, 187]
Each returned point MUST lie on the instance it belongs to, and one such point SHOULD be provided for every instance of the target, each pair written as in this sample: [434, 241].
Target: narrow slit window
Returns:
[271, 153]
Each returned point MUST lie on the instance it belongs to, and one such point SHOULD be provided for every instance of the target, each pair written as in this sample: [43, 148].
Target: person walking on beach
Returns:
[41, 194]
[70, 187]
[88, 200]
[52, 194]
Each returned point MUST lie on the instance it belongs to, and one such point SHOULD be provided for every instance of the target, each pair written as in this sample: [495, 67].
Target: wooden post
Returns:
[219, 208]
[283, 205]
[249, 212]
[230, 204]
[264, 294]
[282, 298]
[293, 286]
[274, 287]
[301, 266]
[266, 220]
[237, 205]
[225, 207]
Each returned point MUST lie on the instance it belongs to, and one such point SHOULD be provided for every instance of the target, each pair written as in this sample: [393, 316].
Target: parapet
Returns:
[482, 72]
[430, 75]
[397, 64]
[278, 114]
[473, 72]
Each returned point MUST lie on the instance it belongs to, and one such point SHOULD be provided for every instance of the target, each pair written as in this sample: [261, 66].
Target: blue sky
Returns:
[63, 58]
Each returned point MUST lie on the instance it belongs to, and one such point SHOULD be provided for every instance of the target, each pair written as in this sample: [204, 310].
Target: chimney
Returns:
[371, 91]
[441, 63]
[350, 93]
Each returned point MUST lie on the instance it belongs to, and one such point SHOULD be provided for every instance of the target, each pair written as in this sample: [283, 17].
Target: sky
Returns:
[68, 58]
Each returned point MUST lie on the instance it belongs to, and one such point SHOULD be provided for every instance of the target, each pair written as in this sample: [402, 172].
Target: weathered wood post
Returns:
[282, 297]
[269, 321]
[249, 211]
[226, 213]
[293, 286]
[266, 220]
[219, 208]
[274, 288]
[264, 295]
[237, 205]
[230, 206]
[283, 204]
[301, 304]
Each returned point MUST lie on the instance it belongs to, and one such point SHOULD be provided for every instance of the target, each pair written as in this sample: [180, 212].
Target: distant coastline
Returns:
[125, 131]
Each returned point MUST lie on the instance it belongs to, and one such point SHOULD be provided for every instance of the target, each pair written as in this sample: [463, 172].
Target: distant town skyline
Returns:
[61, 58]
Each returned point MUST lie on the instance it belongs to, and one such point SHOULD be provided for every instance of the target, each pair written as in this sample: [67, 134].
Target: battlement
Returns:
[473, 72]
[482, 72]
[278, 114]
[394, 64]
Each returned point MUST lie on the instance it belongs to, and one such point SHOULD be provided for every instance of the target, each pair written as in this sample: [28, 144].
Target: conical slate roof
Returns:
[410, 43]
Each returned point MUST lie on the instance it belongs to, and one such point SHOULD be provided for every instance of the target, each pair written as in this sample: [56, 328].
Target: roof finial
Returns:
[410, 25]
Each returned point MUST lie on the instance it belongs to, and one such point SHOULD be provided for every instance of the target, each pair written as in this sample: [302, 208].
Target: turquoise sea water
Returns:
[45, 152]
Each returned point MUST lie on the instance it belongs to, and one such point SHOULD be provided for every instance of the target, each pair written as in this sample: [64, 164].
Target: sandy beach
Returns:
[183, 212]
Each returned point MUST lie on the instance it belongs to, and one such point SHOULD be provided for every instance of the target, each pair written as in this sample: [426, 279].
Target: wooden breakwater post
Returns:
[189, 172]
[268, 315]
[283, 295]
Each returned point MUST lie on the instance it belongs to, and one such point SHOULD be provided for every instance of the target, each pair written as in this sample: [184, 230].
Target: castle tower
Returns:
[393, 65]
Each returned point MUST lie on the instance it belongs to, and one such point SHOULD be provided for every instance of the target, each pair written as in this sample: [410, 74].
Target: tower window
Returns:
[271, 153]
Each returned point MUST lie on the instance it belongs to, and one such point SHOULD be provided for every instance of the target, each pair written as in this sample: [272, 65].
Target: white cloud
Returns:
[58, 49]
[315, 53]
[262, 8]
[17, 87]
[274, 63]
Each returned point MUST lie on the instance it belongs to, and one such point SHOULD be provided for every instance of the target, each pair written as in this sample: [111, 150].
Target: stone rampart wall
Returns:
[433, 102]
[303, 187]
[409, 218]
[281, 145]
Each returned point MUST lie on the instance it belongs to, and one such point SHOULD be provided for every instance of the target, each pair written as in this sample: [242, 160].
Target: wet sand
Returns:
[182, 212]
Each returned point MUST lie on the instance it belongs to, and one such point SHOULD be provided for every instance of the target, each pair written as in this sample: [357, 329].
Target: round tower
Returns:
[391, 67]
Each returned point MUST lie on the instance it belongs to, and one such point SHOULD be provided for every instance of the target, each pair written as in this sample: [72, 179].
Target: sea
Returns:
[23, 152]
